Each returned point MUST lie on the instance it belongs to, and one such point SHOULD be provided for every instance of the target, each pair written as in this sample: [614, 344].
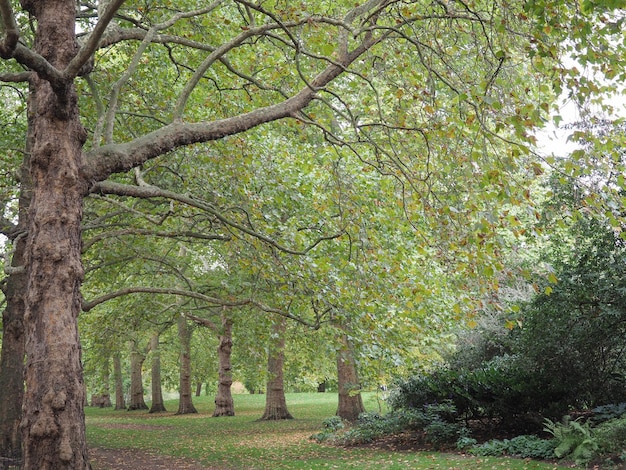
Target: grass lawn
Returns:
[241, 442]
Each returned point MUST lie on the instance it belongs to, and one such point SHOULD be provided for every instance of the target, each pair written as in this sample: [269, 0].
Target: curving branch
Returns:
[212, 301]
[116, 158]
[37, 63]
[108, 187]
[215, 55]
[185, 234]
[89, 47]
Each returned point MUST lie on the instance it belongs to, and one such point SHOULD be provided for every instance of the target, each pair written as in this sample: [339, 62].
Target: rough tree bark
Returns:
[224, 405]
[53, 430]
[12, 360]
[13, 334]
[157, 405]
[275, 402]
[350, 401]
[120, 401]
[137, 358]
[185, 401]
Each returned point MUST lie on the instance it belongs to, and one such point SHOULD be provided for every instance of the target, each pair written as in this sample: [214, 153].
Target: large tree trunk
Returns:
[12, 359]
[275, 402]
[137, 358]
[350, 401]
[157, 405]
[120, 402]
[185, 401]
[224, 405]
[53, 422]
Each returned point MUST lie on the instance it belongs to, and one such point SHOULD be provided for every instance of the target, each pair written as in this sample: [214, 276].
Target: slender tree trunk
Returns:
[224, 405]
[120, 402]
[12, 360]
[157, 393]
[103, 398]
[198, 388]
[137, 358]
[185, 401]
[13, 333]
[275, 402]
[350, 401]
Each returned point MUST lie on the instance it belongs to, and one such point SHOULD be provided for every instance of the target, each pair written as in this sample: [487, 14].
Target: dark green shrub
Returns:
[438, 421]
[464, 443]
[611, 436]
[500, 389]
[371, 426]
[331, 426]
[532, 447]
[333, 423]
[525, 446]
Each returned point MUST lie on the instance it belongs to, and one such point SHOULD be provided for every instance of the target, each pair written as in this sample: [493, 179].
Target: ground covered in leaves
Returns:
[134, 459]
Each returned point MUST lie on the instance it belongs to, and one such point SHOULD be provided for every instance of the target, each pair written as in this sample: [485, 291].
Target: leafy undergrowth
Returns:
[241, 442]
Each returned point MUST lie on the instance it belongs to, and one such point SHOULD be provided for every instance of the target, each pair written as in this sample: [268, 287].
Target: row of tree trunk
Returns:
[349, 407]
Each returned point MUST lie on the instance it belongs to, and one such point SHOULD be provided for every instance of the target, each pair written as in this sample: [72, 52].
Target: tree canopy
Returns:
[362, 165]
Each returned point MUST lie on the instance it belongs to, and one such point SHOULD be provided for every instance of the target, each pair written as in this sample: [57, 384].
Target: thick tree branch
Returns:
[18, 77]
[10, 30]
[117, 158]
[37, 63]
[108, 187]
[7, 228]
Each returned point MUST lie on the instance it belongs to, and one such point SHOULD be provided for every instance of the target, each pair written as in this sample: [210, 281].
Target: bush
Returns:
[611, 436]
[438, 421]
[331, 426]
[525, 446]
[500, 389]
[371, 426]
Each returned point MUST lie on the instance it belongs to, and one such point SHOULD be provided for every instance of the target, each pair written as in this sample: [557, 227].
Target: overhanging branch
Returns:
[108, 187]
[116, 158]
[211, 301]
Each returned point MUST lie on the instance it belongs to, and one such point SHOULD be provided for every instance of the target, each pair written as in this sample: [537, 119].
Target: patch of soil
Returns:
[132, 459]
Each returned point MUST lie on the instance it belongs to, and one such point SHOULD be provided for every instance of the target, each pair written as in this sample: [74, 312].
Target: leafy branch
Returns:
[108, 187]
[212, 301]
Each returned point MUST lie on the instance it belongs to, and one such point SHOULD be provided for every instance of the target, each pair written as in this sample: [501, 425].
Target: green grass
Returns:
[241, 442]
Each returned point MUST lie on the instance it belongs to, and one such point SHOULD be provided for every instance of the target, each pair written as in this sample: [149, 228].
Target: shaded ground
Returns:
[132, 459]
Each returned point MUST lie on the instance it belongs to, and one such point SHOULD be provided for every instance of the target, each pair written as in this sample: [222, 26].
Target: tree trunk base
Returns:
[137, 407]
[276, 416]
[157, 409]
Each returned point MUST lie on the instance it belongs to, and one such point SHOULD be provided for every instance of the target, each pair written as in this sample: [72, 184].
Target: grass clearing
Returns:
[241, 442]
